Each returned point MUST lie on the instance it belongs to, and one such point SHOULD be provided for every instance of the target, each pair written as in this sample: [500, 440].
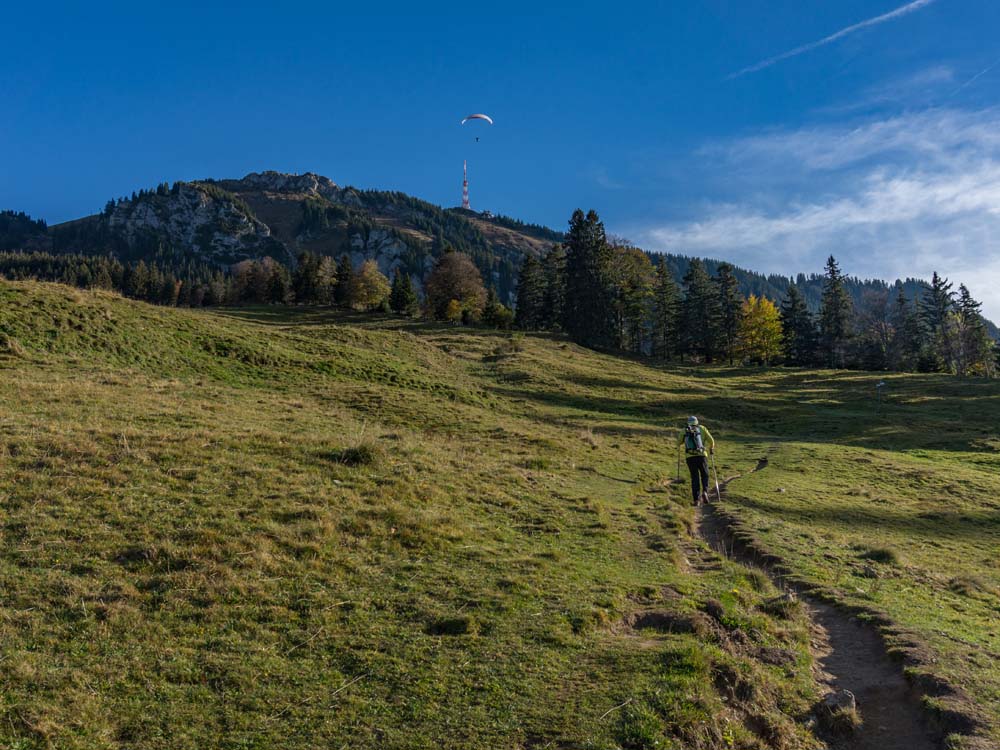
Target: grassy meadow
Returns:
[301, 528]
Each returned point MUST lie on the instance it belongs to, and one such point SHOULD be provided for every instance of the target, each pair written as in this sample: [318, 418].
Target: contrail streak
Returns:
[892, 14]
[974, 78]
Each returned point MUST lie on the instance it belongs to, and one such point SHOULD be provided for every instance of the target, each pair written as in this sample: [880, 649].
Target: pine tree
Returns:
[278, 285]
[305, 280]
[730, 308]
[403, 297]
[937, 303]
[344, 283]
[972, 346]
[799, 329]
[531, 290]
[835, 316]
[554, 268]
[587, 313]
[700, 313]
[495, 313]
[904, 352]
[666, 313]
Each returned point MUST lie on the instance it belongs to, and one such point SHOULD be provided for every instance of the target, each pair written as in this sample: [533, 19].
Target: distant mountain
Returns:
[280, 215]
[222, 222]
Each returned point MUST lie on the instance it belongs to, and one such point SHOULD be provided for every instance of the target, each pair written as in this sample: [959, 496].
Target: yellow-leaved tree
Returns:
[760, 332]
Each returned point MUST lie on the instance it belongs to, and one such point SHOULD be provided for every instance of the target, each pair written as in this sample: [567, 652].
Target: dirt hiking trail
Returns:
[850, 655]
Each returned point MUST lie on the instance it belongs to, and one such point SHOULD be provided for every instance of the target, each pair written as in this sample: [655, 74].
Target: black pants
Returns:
[698, 466]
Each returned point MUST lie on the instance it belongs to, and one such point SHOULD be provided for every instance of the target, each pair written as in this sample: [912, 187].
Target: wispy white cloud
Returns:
[899, 12]
[917, 89]
[897, 197]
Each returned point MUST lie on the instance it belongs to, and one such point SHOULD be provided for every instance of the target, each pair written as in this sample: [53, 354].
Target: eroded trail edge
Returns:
[851, 654]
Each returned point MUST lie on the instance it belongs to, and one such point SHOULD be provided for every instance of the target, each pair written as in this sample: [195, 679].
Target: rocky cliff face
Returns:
[280, 182]
[206, 224]
[280, 215]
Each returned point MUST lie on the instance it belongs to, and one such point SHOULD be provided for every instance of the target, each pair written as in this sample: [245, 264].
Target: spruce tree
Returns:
[936, 305]
[835, 316]
[904, 353]
[495, 313]
[666, 313]
[554, 267]
[403, 297]
[799, 329]
[278, 285]
[972, 347]
[587, 315]
[305, 280]
[730, 308]
[345, 282]
[700, 314]
[531, 289]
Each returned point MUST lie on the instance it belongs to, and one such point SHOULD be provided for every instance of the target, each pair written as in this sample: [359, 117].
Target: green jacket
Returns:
[706, 440]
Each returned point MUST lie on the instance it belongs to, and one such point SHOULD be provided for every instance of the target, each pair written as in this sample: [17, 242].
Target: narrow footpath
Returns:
[850, 655]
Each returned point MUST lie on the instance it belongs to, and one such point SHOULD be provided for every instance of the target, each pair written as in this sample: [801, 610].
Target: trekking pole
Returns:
[718, 491]
[678, 466]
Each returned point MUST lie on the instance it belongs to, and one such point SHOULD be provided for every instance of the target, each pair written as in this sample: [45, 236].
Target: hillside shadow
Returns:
[937, 524]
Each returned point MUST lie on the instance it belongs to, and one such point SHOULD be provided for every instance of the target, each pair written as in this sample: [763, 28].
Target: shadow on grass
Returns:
[935, 524]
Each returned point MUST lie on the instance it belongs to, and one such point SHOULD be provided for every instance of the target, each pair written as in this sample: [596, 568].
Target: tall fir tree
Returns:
[835, 316]
[799, 328]
[495, 313]
[403, 297]
[904, 351]
[700, 314]
[936, 304]
[531, 289]
[587, 315]
[730, 309]
[666, 313]
[554, 266]
[345, 282]
[972, 347]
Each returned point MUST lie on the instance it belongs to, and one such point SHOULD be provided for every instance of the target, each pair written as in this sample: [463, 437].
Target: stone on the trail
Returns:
[781, 490]
[838, 714]
[841, 700]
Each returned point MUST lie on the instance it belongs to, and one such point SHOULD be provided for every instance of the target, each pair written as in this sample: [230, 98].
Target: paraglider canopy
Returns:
[487, 118]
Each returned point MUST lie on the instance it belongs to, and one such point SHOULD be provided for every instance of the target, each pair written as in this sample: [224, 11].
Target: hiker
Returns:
[698, 444]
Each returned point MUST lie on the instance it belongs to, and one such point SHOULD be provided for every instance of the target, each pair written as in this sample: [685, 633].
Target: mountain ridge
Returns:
[224, 221]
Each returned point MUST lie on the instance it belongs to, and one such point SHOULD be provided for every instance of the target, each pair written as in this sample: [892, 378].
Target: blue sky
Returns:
[769, 133]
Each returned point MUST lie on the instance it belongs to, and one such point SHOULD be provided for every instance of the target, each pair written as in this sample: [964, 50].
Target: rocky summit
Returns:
[280, 215]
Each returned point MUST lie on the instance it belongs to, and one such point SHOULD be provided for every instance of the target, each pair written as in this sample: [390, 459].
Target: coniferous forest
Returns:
[602, 292]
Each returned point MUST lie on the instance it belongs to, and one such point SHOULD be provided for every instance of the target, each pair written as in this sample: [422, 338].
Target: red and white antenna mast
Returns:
[465, 186]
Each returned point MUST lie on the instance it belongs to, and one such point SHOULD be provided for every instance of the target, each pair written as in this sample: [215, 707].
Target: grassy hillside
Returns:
[298, 528]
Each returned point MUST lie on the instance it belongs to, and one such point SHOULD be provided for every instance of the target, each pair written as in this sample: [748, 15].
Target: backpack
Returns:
[692, 439]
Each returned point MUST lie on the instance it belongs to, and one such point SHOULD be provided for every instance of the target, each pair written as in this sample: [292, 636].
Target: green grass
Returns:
[302, 528]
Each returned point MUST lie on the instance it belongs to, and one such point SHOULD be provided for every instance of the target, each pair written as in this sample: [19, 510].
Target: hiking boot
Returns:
[705, 500]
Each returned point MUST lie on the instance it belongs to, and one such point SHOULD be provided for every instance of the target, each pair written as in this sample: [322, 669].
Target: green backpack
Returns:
[692, 439]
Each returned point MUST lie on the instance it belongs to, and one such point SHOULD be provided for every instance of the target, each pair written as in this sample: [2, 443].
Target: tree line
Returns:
[606, 294]
[453, 290]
